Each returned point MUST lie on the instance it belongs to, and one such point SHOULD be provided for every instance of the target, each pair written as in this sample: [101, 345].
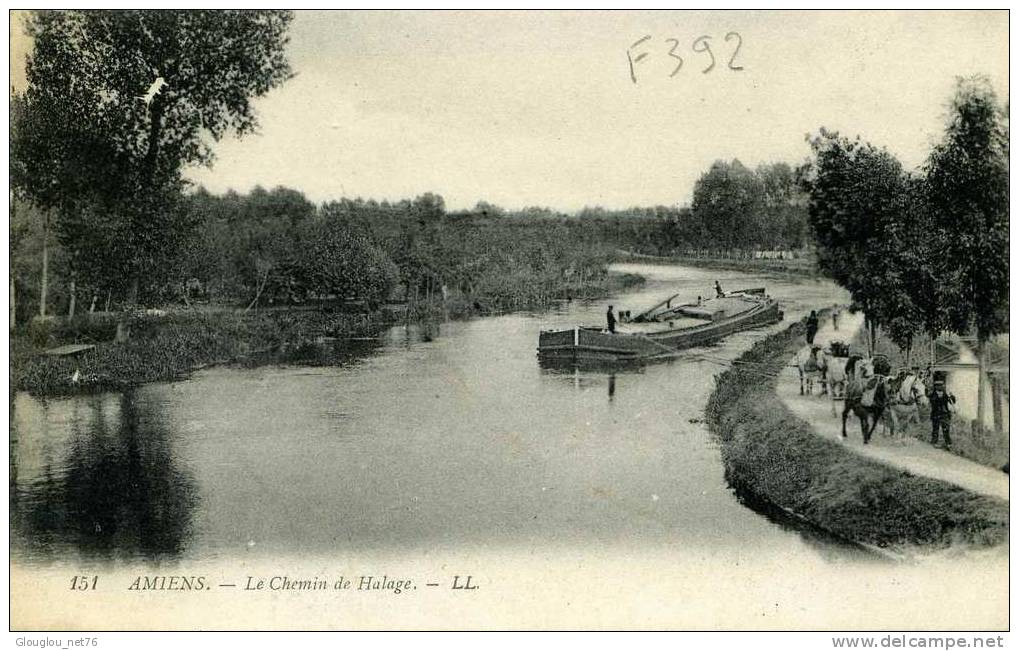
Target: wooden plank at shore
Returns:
[69, 349]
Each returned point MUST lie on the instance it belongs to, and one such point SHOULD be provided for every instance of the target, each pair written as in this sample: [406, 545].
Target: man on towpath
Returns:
[811, 327]
[942, 406]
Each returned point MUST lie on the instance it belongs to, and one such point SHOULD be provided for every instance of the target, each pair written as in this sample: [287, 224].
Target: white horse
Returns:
[907, 395]
[810, 362]
[836, 378]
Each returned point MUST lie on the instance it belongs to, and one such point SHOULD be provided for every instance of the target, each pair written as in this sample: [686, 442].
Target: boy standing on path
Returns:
[942, 406]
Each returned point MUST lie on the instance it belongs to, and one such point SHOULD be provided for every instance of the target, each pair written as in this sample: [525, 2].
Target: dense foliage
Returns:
[117, 104]
[735, 210]
[369, 251]
[920, 253]
[967, 191]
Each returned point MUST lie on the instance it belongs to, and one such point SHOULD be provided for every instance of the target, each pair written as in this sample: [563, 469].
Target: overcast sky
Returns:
[539, 108]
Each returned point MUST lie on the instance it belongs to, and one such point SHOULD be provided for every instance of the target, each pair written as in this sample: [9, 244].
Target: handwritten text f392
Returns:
[676, 52]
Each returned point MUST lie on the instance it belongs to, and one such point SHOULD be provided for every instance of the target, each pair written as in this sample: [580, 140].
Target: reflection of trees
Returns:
[118, 492]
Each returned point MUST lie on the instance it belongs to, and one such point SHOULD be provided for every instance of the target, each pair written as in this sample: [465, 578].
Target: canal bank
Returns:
[172, 344]
[805, 267]
[771, 454]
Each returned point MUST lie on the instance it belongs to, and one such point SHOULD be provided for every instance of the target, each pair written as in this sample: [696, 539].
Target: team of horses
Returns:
[865, 387]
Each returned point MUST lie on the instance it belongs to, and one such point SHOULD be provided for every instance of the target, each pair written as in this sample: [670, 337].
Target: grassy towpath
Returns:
[908, 454]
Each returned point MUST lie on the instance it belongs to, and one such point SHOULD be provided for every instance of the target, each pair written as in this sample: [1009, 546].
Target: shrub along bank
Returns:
[171, 346]
[777, 458]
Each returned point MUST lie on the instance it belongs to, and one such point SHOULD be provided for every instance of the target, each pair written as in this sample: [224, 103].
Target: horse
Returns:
[836, 377]
[810, 362]
[861, 374]
[906, 394]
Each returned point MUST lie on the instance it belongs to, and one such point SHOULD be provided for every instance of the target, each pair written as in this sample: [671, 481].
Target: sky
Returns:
[539, 108]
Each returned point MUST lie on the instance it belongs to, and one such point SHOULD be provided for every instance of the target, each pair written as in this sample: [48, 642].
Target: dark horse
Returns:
[860, 373]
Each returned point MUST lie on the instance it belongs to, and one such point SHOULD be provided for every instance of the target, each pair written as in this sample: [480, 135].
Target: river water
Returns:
[432, 444]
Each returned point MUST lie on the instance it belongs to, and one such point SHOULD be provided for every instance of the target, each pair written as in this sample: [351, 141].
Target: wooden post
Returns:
[981, 384]
[996, 402]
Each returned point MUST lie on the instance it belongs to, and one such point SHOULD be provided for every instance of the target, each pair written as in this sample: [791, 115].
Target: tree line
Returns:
[926, 251]
[735, 211]
[275, 247]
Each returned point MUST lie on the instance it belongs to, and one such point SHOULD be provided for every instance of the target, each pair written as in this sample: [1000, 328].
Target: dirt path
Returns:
[909, 454]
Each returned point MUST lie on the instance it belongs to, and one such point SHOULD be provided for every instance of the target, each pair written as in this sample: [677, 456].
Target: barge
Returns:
[662, 330]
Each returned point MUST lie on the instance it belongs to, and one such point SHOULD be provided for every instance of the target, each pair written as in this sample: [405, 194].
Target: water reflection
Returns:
[113, 489]
[324, 351]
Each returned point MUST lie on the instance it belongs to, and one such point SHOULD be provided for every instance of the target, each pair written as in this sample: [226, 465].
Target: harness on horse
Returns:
[812, 365]
[897, 386]
[870, 387]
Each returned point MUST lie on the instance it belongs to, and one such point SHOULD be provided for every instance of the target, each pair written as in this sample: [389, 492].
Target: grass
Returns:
[777, 458]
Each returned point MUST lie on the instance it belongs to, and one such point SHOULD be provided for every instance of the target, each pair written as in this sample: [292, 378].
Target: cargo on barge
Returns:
[663, 329]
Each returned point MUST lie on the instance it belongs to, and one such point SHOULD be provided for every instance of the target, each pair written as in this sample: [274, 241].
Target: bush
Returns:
[87, 328]
[41, 330]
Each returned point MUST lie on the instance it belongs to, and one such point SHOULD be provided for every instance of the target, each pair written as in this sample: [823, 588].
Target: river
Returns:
[433, 446]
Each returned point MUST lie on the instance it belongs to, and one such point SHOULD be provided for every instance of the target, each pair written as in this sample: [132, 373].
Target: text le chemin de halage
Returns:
[283, 583]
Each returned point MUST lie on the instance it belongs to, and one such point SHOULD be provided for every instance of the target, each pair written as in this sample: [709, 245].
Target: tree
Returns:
[246, 246]
[858, 208]
[120, 101]
[340, 262]
[727, 200]
[488, 210]
[967, 192]
[19, 129]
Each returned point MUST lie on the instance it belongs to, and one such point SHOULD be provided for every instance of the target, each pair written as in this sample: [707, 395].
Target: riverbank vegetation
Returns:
[170, 346]
[773, 456]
